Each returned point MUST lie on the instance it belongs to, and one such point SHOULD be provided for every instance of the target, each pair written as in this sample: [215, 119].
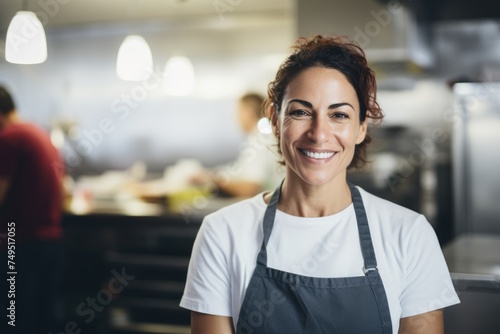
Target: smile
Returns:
[317, 155]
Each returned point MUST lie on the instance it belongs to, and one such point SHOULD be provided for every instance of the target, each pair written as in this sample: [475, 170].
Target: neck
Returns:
[10, 118]
[252, 129]
[305, 200]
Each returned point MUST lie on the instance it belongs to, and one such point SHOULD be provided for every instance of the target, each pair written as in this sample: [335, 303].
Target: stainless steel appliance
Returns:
[476, 157]
[474, 256]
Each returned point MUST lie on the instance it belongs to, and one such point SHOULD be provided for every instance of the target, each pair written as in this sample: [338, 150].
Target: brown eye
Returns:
[297, 113]
[340, 115]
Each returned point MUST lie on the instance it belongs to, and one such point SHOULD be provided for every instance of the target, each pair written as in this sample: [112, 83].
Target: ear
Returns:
[274, 120]
[362, 132]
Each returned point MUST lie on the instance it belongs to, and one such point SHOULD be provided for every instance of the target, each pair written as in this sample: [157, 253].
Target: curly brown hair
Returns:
[334, 52]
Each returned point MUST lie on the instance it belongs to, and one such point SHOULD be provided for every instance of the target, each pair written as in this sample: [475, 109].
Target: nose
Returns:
[319, 131]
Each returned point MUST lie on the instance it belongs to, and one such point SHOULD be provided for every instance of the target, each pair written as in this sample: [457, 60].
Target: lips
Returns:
[317, 155]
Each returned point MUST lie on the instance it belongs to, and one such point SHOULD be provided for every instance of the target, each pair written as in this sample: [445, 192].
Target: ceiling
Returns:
[57, 13]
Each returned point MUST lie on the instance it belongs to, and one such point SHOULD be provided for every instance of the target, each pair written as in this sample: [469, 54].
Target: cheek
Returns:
[348, 136]
[287, 138]
[290, 133]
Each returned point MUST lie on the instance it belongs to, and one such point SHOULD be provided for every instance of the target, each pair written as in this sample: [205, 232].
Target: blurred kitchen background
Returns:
[437, 150]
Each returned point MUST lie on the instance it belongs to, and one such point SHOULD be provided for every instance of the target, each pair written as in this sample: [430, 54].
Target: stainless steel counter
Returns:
[474, 254]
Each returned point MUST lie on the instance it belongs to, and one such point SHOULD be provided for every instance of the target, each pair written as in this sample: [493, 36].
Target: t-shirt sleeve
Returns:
[257, 162]
[208, 288]
[427, 283]
[8, 159]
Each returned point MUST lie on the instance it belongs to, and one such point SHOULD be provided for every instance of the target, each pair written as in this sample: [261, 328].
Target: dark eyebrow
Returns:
[337, 105]
[332, 106]
[304, 103]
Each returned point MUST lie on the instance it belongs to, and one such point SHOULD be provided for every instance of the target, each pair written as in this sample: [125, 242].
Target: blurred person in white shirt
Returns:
[256, 167]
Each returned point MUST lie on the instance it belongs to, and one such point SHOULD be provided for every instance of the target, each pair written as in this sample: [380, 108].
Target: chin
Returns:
[319, 180]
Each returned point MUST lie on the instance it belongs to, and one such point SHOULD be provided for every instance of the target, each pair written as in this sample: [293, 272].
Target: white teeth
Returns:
[318, 155]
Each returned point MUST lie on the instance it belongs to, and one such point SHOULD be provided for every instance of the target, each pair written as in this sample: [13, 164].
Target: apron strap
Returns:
[364, 232]
[268, 225]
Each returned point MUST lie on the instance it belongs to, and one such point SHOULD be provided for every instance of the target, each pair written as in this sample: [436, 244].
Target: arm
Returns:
[250, 172]
[208, 284]
[4, 185]
[202, 323]
[239, 188]
[428, 323]
[428, 286]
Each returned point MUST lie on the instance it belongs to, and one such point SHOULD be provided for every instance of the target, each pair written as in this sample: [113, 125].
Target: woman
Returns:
[318, 255]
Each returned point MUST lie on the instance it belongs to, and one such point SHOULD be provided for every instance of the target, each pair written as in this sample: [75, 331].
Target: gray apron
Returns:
[279, 302]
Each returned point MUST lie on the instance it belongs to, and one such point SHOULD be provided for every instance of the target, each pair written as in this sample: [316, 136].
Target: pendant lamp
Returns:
[134, 61]
[25, 42]
[178, 76]
[264, 126]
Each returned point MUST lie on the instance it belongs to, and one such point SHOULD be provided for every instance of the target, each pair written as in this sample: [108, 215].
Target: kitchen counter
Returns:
[192, 209]
[152, 249]
[471, 255]
[145, 240]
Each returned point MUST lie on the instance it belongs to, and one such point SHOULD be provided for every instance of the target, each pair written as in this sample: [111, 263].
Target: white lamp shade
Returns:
[134, 61]
[25, 42]
[178, 76]
[264, 126]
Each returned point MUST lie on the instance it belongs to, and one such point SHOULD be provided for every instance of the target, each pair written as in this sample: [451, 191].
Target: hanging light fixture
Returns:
[25, 41]
[134, 61]
[264, 125]
[178, 76]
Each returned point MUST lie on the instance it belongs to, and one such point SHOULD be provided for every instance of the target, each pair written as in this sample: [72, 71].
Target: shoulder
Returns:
[231, 233]
[22, 131]
[260, 142]
[8, 131]
[380, 208]
[11, 135]
[33, 131]
[393, 225]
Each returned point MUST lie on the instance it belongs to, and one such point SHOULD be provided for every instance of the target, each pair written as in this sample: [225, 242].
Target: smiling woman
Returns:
[320, 127]
[319, 255]
[338, 54]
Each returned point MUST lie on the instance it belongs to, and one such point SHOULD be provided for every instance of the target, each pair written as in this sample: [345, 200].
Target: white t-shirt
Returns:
[256, 161]
[410, 261]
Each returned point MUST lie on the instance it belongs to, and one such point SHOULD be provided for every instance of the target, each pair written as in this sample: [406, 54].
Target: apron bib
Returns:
[279, 302]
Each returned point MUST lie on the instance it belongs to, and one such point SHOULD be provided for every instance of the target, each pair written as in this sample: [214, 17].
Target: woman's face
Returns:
[319, 126]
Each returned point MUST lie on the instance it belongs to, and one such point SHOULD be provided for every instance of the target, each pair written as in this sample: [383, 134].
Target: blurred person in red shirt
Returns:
[30, 213]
